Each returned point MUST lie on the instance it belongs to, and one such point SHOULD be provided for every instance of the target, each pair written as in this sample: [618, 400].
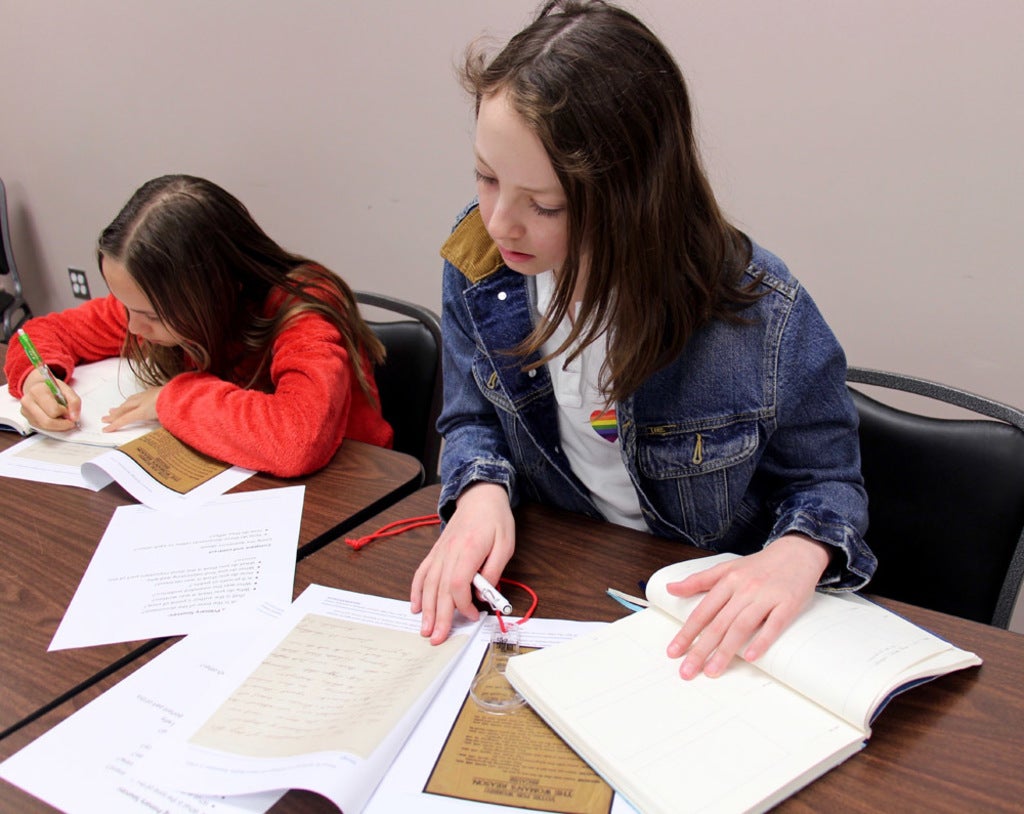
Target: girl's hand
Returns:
[760, 594]
[137, 407]
[479, 537]
[44, 411]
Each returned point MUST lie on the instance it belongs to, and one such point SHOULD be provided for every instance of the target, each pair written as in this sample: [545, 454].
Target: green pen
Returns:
[40, 365]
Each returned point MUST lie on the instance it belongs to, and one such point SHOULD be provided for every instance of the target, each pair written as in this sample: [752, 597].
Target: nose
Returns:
[137, 325]
[504, 224]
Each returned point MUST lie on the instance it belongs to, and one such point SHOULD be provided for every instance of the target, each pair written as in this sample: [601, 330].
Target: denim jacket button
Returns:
[502, 295]
[532, 373]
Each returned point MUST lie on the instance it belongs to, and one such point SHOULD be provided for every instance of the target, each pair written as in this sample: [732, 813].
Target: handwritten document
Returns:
[331, 685]
[324, 703]
[161, 573]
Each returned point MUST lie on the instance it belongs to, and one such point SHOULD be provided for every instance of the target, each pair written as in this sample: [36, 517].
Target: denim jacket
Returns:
[748, 435]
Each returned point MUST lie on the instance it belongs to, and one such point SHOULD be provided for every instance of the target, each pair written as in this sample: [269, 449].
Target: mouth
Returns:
[514, 257]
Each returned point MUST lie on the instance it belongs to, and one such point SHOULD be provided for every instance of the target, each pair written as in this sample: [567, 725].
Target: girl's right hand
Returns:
[480, 537]
[42, 410]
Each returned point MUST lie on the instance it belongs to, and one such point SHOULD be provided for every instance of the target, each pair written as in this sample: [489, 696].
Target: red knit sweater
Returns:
[314, 401]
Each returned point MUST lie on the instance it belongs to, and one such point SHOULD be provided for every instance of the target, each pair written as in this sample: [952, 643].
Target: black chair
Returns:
[13, 307]
[409, 381]
[945, 499]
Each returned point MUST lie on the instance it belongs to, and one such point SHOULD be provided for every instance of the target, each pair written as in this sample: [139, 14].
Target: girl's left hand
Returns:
[137, 407]
[761, 593]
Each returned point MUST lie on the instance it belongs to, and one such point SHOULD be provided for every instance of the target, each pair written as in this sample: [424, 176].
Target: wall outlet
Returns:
[79, 284]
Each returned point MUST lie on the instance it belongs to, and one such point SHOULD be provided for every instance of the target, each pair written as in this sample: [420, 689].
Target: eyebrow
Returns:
[532, 190]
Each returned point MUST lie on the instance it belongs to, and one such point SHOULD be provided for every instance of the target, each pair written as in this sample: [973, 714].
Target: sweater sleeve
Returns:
[92, 331]
[292, 430]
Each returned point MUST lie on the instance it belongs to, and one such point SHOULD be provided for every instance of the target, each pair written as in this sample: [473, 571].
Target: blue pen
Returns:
[40, 365]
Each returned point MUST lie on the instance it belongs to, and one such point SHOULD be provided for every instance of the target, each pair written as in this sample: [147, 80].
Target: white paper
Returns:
[86, 763]
[387, 707]
[116, 465]
[162, 573]
[43, 460]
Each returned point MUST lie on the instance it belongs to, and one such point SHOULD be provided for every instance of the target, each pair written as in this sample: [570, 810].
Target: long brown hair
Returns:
[611, 108]
[207, 268]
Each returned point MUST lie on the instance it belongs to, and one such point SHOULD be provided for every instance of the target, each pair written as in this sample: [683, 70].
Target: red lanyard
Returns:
[397, 527]
[407, 524]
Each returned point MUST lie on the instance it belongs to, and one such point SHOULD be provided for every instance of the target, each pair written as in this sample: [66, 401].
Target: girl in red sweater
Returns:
[251, 354]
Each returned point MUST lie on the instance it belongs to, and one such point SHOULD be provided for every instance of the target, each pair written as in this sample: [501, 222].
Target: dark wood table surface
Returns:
[953, 745]
[48, 534]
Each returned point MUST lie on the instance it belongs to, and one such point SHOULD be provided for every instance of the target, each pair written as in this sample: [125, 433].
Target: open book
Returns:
[101, 385]
[151, 464]
[740, 742]
[11, 419]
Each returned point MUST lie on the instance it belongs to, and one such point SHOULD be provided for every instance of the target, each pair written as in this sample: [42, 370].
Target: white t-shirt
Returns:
[589, 435]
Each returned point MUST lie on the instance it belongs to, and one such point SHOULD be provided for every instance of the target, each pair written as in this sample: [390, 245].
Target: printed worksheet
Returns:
[163, 573]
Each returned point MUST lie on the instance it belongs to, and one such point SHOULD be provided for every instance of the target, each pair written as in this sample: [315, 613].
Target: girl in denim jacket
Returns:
[613, 346]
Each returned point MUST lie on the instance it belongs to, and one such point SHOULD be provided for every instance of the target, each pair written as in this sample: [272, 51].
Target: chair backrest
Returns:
[409, 381]
[945, 500]
[13, 308]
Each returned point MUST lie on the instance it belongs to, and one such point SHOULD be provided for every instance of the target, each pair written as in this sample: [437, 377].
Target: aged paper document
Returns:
[515, 760]
[172, 463]
[331, 685]
[324, 700]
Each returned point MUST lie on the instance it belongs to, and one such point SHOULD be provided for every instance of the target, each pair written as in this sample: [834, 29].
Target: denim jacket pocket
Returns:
[486, 378]
[699, 472]
[516, 396]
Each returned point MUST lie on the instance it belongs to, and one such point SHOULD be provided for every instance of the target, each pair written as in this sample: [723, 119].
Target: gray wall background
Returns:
[875, 145]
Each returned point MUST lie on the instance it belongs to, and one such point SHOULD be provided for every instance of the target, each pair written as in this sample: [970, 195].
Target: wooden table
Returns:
[48, 534]
[953, 745]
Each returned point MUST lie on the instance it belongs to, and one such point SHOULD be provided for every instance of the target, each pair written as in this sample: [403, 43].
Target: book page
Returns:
[843, 651]
[673, 746]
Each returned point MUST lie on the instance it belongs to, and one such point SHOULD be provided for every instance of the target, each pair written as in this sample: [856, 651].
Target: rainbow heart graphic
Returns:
[605, 425]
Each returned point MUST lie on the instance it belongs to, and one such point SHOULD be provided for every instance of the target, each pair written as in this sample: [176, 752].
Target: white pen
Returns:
[491, 594]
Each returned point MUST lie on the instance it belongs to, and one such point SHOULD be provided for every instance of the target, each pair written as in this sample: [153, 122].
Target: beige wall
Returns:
[875, 145]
